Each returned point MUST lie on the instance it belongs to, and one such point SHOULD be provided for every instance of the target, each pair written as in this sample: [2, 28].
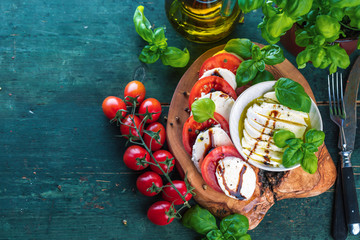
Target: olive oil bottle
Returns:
[203, 21]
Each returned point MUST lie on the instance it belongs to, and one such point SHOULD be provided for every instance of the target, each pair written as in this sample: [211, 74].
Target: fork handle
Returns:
[350, 197]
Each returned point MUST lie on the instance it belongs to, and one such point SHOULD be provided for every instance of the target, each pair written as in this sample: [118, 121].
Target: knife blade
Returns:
[351, 205]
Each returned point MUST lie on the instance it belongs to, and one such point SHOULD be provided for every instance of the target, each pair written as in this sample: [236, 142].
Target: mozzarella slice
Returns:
[297, 129]
[206, 141]
[271, 96]
[255, 134]
[263, 151]
[287, 110]
[226, 74]
[258, 127]
[261, 159]
[223, 103]
[278, 111]
[249, 142]
[236, 178]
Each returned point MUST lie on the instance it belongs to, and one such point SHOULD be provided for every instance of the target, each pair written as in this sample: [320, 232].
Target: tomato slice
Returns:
[192, 128]
[222, 60]
[209, 164]
[210, 84]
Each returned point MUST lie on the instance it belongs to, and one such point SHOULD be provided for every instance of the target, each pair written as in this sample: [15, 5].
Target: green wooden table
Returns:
[62, 175]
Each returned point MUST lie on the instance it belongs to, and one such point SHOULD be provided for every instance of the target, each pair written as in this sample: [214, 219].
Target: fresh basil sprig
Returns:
[202, 221]
[299, 151]
[254, 67]
[292, 94]
[203, 109]
[157, 47]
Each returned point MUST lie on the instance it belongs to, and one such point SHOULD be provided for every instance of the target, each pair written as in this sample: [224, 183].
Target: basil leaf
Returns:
[309, 163]
[292, 156]
[249, 5]
[280, 136]
[310, 147]
[260, 65]
[262, 77]
[142, 25]
[327, 26]
[246, 72]
[268, 9]
[278, 24]
[199, 219]
[338, 56]
[303, 57]
[294, 142]
[159, 38]
[215, 235]
[265, 34]
[292, 95]
[315, 137]
[235, 225]
[240, 46]
[257, 55]
[203, 109]
[318, 56]
[297, 8]
[273, 54]
[303, 38]
[344, 3]
[354, 16]
[147, 55]
[175, 57]
[245, 237]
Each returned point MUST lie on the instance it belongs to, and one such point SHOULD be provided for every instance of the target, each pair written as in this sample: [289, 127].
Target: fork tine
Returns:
[330, 102]
[338, 106]
[333, 94]
[342, 96]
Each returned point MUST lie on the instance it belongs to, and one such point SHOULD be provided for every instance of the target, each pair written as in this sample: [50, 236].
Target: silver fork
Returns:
[337, 115]
[346, 209]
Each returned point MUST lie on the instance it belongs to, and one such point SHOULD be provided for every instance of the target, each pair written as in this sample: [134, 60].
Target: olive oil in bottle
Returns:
[203, 21]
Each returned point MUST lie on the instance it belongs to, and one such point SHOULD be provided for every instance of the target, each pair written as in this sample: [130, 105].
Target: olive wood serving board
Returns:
[271, 186]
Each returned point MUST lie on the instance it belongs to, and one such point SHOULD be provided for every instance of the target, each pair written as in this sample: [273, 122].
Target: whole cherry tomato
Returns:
[134, 89]
[152, 106]
[146, 180]
[161, 156]
[157, 213]
[171, 195]
[151, 142]
[132, 153]
[111, 105]
[127, 125]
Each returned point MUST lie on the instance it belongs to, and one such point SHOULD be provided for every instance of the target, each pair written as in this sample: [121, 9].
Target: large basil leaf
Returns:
[297, 8]
[354, 15]
[292, 95]
[265, 34]
[292, 156]
[318, 56]
[234, 225]
[203, 109]
[303, 57]
[240, 46]
[315, 137]
[327, 26]
[246, 72]
[280, 137]
[273, 54]
[199, 219]
[278, 24]
[142, 25]
[175, 57]
[310, 162]
[303, 38]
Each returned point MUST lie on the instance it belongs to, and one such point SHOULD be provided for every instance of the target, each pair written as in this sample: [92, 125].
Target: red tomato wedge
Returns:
[192, 128]
[209, 164]
[210, 84]
[222, 60]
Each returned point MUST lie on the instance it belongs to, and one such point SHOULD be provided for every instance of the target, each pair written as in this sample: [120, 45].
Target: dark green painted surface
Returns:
[62, 175]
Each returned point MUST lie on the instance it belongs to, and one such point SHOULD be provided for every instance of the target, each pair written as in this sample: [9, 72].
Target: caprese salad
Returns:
[208, 142]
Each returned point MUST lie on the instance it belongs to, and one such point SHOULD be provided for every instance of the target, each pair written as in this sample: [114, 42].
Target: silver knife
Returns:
[351, 206]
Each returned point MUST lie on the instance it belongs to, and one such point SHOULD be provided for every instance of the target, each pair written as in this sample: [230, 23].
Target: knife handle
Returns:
[350, 200]
[339, 227]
